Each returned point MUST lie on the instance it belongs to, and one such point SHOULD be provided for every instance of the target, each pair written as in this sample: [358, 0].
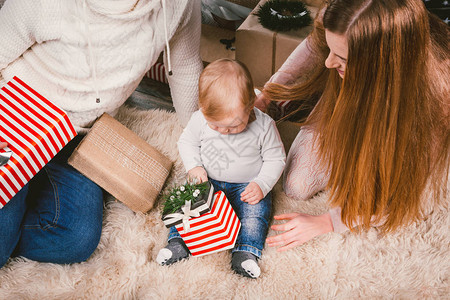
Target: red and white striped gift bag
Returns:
[35, 130]
[158, 72]
[214, 231]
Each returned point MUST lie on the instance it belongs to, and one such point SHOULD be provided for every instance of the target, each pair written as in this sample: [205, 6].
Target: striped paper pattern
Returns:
[35, 130]
[158, 72]
[214, 231]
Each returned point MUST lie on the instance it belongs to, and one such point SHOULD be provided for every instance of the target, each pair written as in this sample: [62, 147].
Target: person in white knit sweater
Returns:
[87, 57]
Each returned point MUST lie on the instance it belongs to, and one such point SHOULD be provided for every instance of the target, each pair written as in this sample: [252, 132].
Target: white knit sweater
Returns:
[70, 52]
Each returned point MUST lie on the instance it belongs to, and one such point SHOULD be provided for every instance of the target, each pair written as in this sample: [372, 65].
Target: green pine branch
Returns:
[177, 196]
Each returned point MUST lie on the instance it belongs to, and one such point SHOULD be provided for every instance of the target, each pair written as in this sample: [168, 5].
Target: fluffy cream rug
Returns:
[412, 263]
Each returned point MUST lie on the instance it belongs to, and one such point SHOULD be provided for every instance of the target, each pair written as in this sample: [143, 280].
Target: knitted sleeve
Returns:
[186, 63]
[296, 68]
[18, 24]
[297, 64]
[24, 23]
[304, 174]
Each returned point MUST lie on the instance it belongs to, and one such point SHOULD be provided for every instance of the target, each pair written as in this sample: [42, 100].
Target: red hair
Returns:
[383, 130]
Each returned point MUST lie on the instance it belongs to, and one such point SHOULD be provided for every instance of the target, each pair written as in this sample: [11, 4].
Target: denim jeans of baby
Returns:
[254, 218]
[56, 217]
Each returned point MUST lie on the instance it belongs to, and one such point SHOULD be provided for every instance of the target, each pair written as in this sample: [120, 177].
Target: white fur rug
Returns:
[412, 263]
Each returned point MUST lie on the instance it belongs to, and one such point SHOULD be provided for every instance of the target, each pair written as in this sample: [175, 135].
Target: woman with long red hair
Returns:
[377, 135]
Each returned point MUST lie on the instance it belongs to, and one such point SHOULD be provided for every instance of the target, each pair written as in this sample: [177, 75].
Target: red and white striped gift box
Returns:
[214, 231]
[158, 72]
[35, 130]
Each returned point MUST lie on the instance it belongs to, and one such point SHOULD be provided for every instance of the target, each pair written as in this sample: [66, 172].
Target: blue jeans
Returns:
[254, 218]
[56, 217]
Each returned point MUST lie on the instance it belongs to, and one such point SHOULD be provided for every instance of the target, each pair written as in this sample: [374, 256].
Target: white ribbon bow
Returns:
[186, 215]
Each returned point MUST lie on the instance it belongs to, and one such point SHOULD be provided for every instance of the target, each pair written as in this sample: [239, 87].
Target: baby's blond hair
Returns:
[223, 82]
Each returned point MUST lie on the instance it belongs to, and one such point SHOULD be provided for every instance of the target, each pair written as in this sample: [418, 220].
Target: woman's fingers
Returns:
[291, 236]
[290, 246]
[285, 226]
[283, 239]
[3, 145]
[299, 229]
[285, 216]
[286, 235]
[275, 244]
[261, 102]
[281, 227]
[277, 240]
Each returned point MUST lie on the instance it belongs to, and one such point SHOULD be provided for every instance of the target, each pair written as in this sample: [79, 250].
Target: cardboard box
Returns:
[211, 48]
[214, 231]
[35, 130]
[201, 206]
[122, 163]
[262, 50]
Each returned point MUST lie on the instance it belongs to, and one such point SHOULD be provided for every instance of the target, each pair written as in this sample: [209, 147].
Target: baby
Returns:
[237, 147]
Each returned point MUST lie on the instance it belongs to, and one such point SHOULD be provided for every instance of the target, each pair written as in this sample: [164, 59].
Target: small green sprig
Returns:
[178, 196]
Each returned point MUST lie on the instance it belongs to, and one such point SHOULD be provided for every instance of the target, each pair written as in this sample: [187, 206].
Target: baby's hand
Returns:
[252, 193]
[198, 173]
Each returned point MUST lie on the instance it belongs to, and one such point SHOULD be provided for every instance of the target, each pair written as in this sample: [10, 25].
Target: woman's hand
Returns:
[261, 102]
[198, 173]
[3, 145]
[252, 193]
[299, 229]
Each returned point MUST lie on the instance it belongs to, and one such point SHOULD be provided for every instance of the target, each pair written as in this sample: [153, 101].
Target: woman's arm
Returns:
[304, 175]
[299, 63]
[186, 63]
[336, 220]
[19, 22]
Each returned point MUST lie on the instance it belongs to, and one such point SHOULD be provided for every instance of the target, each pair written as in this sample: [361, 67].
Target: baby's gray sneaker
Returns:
[245, 263]
[174, 251]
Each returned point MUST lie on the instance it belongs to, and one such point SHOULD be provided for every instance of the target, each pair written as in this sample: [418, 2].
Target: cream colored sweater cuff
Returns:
[338, 226]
